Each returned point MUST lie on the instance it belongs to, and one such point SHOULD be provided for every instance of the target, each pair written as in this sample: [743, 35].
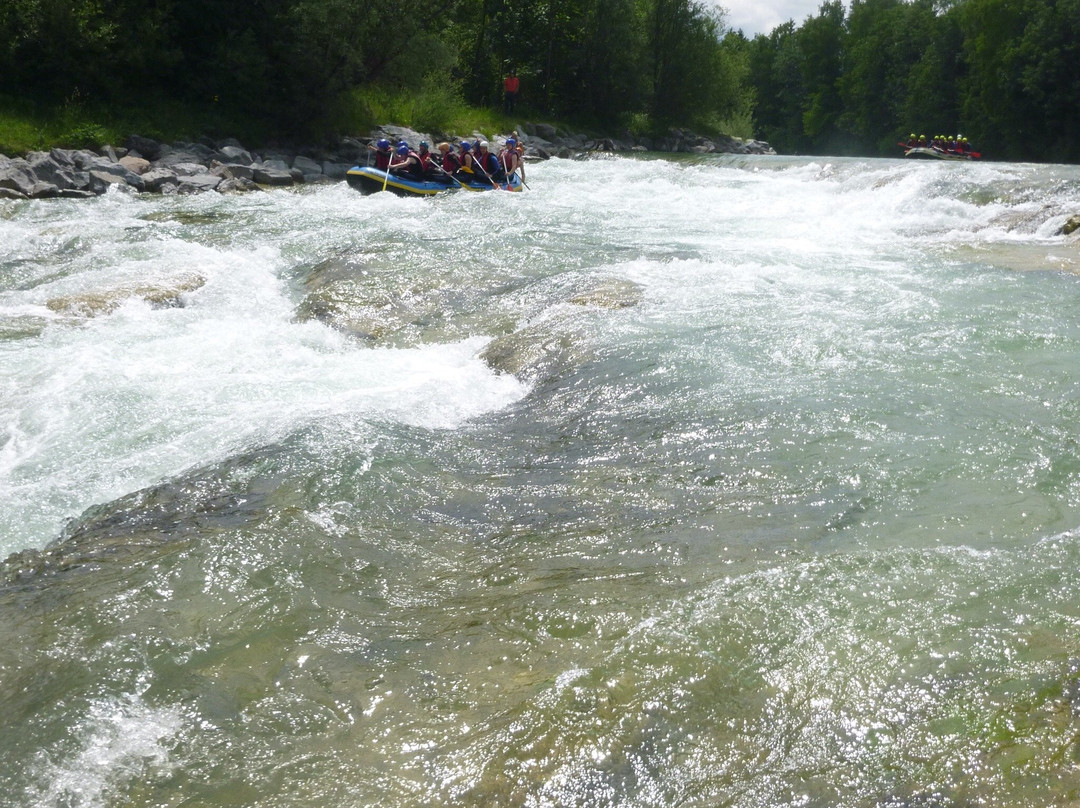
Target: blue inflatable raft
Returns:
[369, 179]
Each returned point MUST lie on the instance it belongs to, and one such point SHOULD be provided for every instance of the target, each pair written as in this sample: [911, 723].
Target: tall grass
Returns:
[436, 107]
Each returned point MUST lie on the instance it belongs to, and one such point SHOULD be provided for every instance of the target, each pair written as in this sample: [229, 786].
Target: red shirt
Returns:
[511, 84]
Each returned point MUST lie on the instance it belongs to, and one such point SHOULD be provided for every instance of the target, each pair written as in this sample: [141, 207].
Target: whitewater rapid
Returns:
[701, 480]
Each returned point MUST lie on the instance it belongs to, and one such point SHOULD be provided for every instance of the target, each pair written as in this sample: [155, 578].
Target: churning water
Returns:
[712, 481]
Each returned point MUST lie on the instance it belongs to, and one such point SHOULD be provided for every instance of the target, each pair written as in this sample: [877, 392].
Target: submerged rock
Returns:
[546, 348]
[531, 353]
[148, 522]
[613, 293]
[346, 295]
[94, 304]
[21, 326]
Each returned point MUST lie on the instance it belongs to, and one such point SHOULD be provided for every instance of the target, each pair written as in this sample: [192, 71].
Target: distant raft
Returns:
[931, 153]
[368, 180]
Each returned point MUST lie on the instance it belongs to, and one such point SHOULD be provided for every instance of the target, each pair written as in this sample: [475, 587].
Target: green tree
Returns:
[821, 41]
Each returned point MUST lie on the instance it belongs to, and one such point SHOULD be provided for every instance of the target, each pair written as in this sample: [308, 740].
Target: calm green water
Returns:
[714, 481]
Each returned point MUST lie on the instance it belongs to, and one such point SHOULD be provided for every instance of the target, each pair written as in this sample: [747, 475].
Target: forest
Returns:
[849, 80]
[1000, 72]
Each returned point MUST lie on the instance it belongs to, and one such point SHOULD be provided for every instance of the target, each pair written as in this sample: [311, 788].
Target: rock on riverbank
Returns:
[144, 165]
[147, 166]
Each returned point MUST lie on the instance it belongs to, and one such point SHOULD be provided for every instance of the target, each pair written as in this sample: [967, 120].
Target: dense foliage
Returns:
[294, 64]
[1000, 72]
[849, 80]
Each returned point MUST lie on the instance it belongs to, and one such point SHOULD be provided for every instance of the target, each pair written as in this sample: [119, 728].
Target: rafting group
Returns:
[468, 163]
[942, 147]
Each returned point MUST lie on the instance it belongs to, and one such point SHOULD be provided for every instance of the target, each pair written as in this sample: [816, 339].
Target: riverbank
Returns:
[145, 165]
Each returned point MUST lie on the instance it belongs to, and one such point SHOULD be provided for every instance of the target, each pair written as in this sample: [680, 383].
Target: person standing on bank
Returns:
[511, 84]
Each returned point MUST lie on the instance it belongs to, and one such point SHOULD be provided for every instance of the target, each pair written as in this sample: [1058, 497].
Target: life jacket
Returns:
[382, 159]
[507, 161]
[450, 162]
[490, 163]
[427, 162]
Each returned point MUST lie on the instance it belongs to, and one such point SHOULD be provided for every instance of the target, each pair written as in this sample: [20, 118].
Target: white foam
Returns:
[118, 742]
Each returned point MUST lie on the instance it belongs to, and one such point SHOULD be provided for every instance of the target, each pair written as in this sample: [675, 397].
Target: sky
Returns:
[761, 16]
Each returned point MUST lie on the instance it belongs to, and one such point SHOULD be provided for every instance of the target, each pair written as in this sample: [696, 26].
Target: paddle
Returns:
[387, 177]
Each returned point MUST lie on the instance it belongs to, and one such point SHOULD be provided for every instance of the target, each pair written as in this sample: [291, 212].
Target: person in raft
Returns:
[487, 163]
[407, 163]
[383, 153]
[509, 159]
[450, 163]
[427, 162]
[466, 158]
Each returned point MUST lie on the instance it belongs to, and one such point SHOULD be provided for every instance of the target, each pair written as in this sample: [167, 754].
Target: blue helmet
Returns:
[424, 145]
[383, 144]
[510, 142]
[465, 146]
[403, 148]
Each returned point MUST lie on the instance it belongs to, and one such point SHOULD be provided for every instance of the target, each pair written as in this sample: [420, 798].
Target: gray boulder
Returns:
[336, 171]
[272, 176]
[202, 152]
[179, 157]
[349, 150]
[198, 183]
[101, 181]
[17, 176]
[396, 133]
[236, 171]
[187, 169]
[309, 168]
[155, 178]
[237, 185]
[62, 157]
[545, 131]
[234, 154]
[123, 174]
[44, 190]
[85, 160]
[47, 169]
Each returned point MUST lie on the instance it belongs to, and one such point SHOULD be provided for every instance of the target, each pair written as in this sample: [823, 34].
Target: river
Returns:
[708, 481]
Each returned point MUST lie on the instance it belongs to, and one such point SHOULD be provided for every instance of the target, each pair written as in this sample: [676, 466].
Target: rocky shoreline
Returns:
[146, 166]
